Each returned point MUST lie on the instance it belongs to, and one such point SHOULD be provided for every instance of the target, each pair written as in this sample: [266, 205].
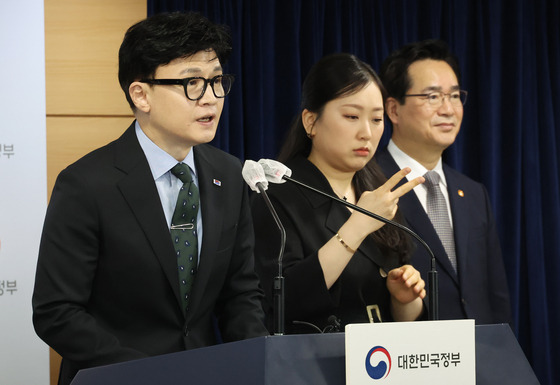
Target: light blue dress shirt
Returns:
[167, 184]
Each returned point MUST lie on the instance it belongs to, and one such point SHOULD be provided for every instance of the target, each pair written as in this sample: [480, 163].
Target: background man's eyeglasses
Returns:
[435, 99]
[196, 87]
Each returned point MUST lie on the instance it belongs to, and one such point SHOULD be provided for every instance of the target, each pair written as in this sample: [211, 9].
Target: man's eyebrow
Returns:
[440, 89]
[196, 70]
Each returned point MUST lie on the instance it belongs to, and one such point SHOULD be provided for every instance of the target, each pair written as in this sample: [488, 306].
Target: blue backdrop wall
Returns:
[509, 52]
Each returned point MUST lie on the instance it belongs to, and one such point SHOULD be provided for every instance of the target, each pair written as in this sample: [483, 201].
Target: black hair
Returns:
[332, 77]
[394, 70]
[162, 38]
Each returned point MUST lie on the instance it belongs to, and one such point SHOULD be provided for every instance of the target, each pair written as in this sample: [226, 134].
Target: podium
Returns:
[314, 359]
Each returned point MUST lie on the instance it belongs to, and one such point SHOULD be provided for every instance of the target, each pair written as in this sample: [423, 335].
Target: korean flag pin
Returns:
[217, 182]
[460, 193]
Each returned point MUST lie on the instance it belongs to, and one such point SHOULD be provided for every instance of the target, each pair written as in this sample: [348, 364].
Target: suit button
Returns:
[463, 301]
[186, 331]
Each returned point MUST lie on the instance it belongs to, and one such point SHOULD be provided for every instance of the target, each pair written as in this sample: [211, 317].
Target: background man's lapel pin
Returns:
[217, 182]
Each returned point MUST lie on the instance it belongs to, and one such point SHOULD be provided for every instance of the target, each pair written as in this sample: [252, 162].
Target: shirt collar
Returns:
[404, 160]
[160, 161]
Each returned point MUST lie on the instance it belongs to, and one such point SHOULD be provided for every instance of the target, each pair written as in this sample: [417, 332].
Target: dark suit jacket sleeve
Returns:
[68, 259]
[306, 293]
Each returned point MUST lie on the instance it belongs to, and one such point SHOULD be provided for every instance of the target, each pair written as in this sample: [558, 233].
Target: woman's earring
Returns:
[310, 134]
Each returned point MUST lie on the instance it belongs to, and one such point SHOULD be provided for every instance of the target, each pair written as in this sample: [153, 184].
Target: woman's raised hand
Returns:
[384, 200]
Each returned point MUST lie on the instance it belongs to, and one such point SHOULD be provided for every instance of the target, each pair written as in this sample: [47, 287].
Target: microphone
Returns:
[276, 172]
[334, 326]
[255, 177]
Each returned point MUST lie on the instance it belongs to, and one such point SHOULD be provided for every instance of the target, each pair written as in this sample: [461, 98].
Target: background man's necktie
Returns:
[183, 231]
[439, 215]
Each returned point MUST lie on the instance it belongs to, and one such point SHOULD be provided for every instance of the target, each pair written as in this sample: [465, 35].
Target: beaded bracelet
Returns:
[344, 244]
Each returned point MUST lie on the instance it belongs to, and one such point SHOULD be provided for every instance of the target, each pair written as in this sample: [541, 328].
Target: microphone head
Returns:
[253, 174]
[333, 326]
[333, 320]
[274, 170]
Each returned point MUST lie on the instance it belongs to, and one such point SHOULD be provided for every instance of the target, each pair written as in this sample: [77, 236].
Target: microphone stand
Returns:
[278, 286]
[433, 297]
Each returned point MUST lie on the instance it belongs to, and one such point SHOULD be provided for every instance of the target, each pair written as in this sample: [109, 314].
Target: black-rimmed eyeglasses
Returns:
[435, 98]
[196, 87]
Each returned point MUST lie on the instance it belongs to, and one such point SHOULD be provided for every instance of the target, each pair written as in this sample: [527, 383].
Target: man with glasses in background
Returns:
[147, 245]
[450, 211]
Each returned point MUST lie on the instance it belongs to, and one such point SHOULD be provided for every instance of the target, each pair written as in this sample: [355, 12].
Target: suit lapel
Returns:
[140, 192]
[212, 195]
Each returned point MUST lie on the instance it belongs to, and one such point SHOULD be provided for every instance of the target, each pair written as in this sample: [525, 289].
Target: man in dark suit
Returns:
[108, 278]
[425, 106]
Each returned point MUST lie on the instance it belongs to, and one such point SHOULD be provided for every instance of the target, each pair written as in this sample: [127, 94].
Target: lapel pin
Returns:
[461, 193]
[217, 182]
